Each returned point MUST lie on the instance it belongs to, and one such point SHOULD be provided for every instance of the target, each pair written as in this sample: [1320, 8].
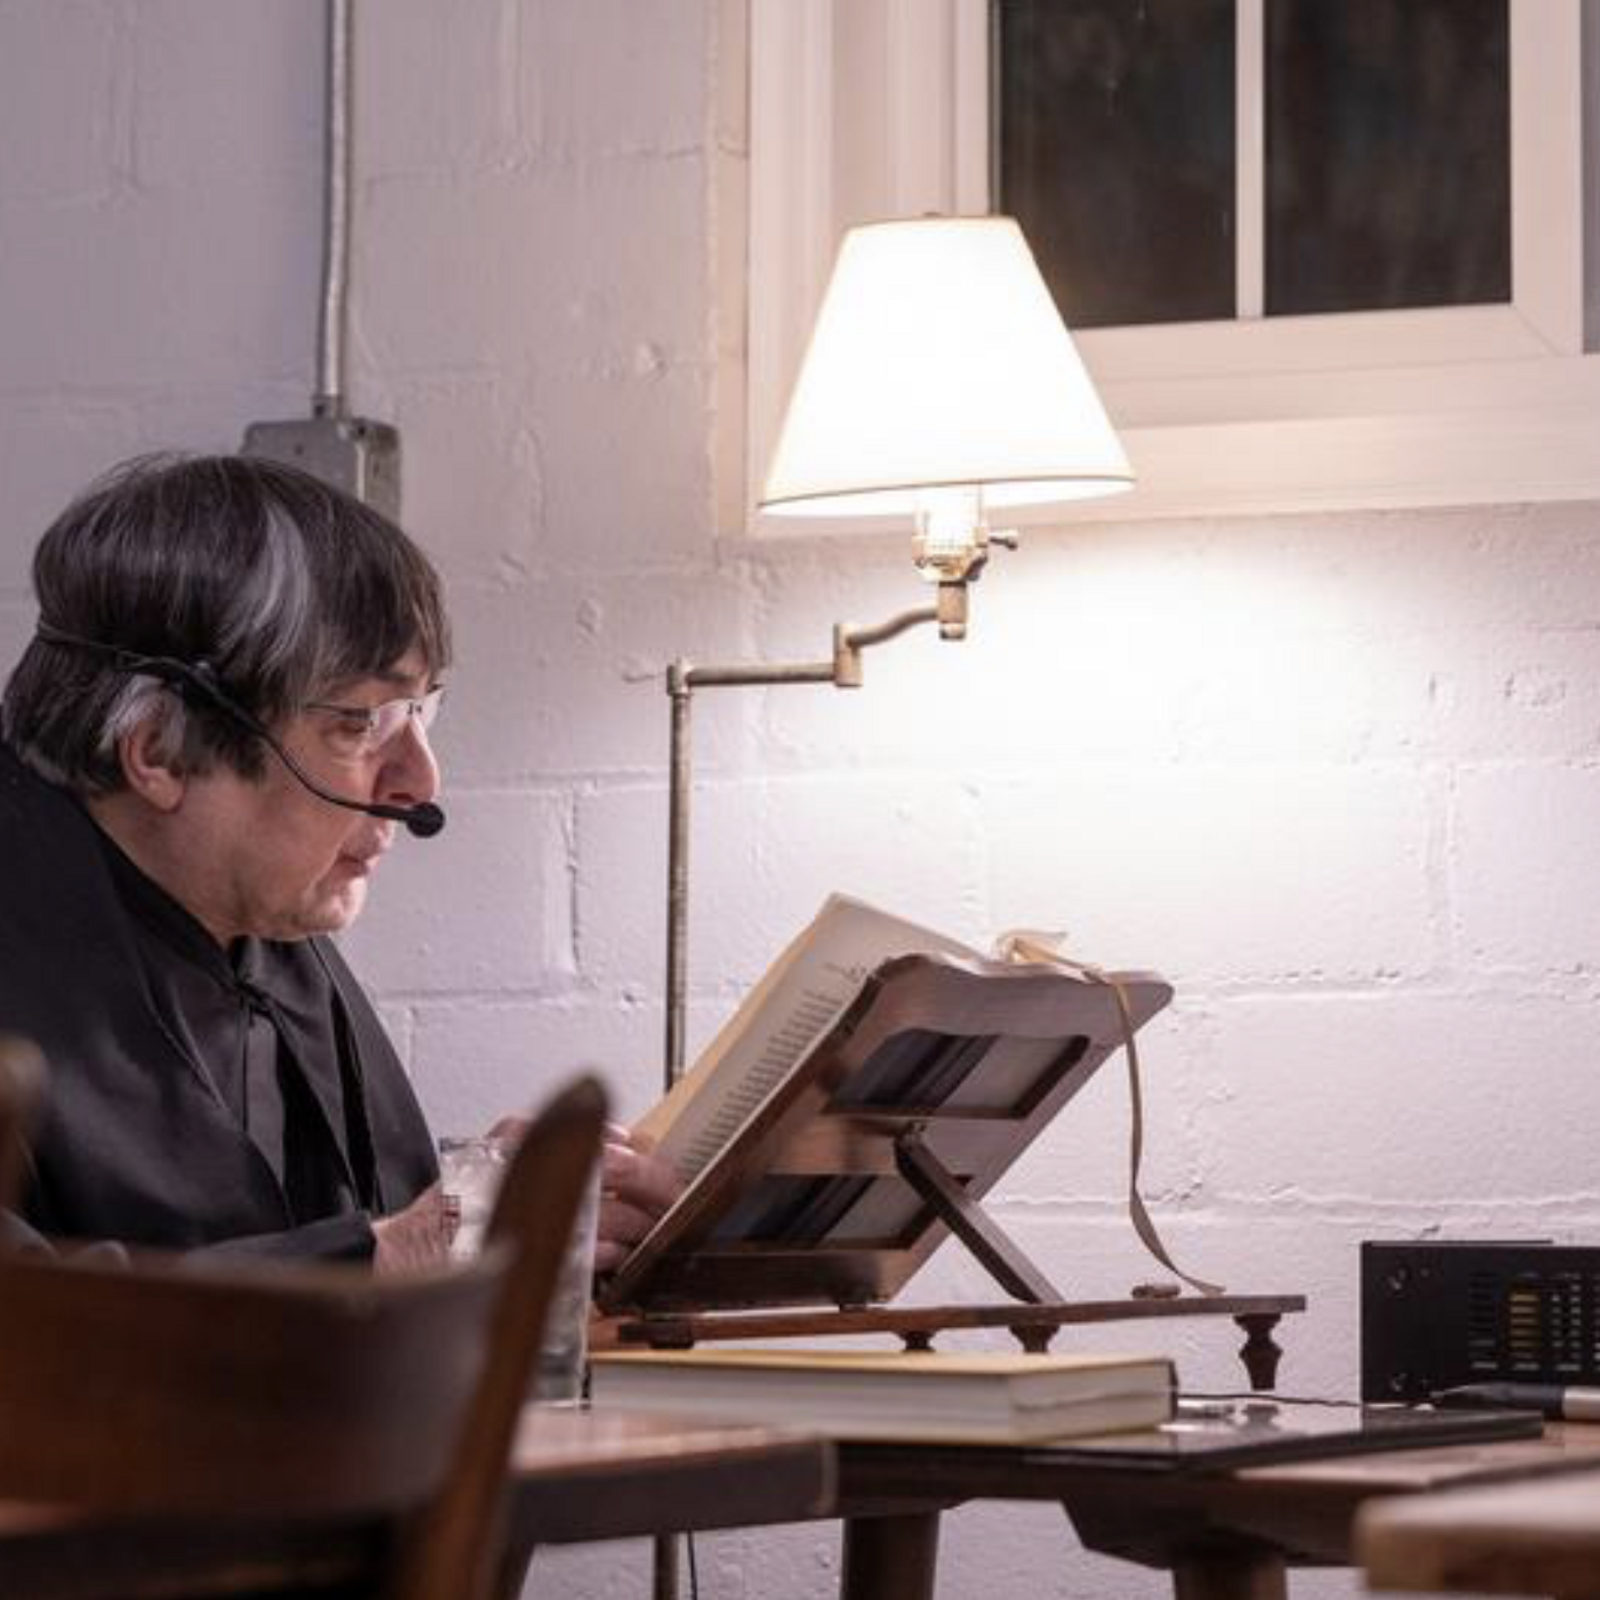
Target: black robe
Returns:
[152, 1134]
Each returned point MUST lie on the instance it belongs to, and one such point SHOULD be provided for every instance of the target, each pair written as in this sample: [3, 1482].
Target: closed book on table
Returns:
[860, 1394]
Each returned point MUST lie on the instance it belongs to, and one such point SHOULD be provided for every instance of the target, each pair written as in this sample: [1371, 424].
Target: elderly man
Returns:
[208, 747]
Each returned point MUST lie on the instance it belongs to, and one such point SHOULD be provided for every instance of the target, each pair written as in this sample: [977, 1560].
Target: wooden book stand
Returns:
[879, 1145]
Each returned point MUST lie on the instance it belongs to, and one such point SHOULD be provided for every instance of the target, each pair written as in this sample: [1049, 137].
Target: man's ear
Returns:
[149, 767]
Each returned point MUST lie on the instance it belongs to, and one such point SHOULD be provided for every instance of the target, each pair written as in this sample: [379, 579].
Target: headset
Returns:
[199, 679]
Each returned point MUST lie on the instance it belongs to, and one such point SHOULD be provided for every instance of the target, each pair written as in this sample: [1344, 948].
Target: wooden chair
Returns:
[322, 1392]
[461, 1531]
[21, 1092]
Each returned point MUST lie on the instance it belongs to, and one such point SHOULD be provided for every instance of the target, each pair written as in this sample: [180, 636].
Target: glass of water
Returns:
[558, 1374]
[470, 1170]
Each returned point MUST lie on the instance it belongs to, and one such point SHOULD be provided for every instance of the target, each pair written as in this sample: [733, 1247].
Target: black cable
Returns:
[1269, 1395]
[198, 679]
[694, 1568]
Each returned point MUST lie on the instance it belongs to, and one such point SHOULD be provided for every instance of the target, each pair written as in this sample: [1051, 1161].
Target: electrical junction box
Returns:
[352, 453]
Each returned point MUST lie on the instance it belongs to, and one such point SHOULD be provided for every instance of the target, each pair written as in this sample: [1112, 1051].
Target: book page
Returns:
[810, 983]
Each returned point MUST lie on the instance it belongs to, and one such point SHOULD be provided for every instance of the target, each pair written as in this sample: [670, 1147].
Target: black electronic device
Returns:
[1440, 1315]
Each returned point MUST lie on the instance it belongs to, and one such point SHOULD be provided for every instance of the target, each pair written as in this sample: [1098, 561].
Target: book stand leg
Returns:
[1034, 1326]
[970, 1223]
[1260, 1352]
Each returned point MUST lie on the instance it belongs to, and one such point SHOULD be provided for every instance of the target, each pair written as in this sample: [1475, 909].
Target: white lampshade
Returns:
[939, 360]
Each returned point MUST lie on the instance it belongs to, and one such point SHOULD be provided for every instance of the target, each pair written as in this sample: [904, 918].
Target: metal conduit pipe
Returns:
[329, 399]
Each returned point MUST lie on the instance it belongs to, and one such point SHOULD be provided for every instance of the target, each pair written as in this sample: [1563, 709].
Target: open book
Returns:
[875, 1084]
[875, 1394]
[812, 981]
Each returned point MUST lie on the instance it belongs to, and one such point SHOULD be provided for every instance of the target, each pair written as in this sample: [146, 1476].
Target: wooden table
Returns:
[584, 1474]
[1528, 1537]
[1224, 1535]
[579, 1476]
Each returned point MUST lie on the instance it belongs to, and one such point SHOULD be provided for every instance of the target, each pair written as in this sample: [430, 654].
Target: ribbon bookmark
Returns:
[1044, 949]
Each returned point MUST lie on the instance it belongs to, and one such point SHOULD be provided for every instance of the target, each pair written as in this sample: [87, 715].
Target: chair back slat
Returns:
[21, 1094]
[262, 1390]
[460, 1532]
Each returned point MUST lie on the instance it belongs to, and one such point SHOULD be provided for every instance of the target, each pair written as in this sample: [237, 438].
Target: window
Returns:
[1116, 147]
[1350, 386]
[1190, 160]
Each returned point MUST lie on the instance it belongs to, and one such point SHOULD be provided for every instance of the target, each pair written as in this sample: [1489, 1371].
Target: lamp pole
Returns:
[844, 671]
[938, 372]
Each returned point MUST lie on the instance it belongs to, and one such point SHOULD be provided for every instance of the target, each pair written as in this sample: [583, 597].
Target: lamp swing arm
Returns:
[844, 671]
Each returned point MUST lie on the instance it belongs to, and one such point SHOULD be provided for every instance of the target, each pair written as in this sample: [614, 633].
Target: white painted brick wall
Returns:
[1338, 777]
[486, 912]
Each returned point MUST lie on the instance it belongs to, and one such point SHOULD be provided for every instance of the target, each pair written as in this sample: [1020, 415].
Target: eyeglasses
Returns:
[359, 731]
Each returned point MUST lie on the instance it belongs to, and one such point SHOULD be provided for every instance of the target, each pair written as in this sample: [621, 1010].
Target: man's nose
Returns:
[410, 773]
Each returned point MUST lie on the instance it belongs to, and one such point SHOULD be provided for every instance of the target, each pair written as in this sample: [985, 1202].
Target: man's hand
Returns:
[417, 1237]
[636, 1187]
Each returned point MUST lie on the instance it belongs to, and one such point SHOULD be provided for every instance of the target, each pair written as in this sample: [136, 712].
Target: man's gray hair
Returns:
[284, 587]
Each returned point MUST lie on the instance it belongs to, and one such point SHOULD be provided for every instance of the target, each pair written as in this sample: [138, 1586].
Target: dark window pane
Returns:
[1116, 153]
[1388, 154]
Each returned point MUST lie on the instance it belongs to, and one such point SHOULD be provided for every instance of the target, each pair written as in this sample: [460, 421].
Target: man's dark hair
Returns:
[284, 586]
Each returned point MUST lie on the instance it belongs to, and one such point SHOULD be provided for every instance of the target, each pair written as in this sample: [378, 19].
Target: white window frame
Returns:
[873, 108]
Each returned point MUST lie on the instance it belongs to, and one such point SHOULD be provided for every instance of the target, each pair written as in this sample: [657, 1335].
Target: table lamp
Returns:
[940, 383]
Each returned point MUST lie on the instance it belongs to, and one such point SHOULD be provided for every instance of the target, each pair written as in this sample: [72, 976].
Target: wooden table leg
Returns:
[664, 1566]
[890, 1558]
[1230, 1575]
